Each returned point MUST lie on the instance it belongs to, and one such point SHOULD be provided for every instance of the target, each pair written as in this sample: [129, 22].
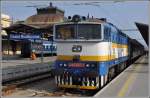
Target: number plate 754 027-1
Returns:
[76, 65]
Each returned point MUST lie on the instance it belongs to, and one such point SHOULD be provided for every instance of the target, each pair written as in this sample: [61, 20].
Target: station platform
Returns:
[25, 61]
[24, 67]
[133, 82]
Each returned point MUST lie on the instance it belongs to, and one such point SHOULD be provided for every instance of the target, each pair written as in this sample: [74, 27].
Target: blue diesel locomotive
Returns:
[90, 52]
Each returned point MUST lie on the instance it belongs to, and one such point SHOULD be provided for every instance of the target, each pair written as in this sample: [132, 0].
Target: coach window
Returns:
[47, 47]
[107, 34]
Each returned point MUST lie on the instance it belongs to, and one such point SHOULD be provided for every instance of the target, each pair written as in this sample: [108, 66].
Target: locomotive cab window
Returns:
[65, 32]
[89, 31]
[78, 31]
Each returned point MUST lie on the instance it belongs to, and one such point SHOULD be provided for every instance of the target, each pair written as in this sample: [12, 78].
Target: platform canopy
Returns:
[23, 28]
[20, 28]
[144, 30]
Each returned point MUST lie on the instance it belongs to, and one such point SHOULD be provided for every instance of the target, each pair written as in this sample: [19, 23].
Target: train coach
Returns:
[90, 52]
[49, 48]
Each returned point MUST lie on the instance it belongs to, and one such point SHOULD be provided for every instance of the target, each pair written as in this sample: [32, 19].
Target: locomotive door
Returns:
[109, 44]
[107, 35]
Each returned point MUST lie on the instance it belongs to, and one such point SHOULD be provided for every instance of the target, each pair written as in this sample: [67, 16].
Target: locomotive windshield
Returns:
[78, 31]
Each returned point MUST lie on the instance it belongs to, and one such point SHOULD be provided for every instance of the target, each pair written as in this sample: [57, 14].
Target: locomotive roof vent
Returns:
[83, 18]
[69, 17]
[103, 19]
[77, 18]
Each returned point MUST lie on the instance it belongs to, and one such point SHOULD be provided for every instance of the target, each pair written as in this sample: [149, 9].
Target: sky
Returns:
[122, 14]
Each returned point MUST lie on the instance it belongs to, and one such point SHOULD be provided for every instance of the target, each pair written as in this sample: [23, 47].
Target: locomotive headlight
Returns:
[60, 65]
[87, 65]
[90, 65]
[65, 65]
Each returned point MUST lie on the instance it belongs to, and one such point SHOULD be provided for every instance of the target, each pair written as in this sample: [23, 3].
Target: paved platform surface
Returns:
[25, 61]
[133, 82]
[25, 67]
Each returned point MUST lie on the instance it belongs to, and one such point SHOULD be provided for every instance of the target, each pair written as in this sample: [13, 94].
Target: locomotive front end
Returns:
[90, 53]
[78, 54]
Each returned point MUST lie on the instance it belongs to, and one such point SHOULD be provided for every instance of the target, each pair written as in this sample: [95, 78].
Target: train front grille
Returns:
[78, 81]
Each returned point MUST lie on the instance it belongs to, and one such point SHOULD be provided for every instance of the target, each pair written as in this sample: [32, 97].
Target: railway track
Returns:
[58, 93]
[10, 86]
[46, 85]
[24, 88]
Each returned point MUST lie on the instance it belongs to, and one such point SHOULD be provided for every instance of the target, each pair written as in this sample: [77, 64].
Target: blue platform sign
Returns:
[24, 36]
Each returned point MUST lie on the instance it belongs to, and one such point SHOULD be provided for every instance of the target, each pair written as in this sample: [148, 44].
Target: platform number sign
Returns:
[76, 48]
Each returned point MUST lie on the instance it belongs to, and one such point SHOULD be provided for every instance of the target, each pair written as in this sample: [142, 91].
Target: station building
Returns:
[6, 21]
[45, 18]
[39, 25]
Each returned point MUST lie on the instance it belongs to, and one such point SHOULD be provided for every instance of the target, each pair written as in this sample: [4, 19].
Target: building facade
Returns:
[44, 19]
[6, 21]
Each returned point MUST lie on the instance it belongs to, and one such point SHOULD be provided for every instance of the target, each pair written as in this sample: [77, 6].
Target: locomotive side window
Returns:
[47, 47]
[107, 31]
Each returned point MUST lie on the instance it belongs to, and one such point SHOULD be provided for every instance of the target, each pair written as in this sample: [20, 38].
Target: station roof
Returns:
[27, 28]
[21, 27]
[44, 18]
[143, 28]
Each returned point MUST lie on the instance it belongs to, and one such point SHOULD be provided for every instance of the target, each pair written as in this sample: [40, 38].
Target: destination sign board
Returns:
[24, 36]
